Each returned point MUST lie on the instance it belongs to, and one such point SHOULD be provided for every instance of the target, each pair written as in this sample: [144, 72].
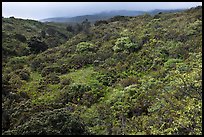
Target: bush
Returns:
[128, 81]
[20, 37]
[70, 28]
[37, 64]
[157, 16]
[37, 46]
[74, 92]
[125, 44]
[24, 74]
[171, 63]
[50, 69]
[97, 23]
[15, 81]
[56, 122]
[118, 18]
[80, 60]
[51, 79]
[5, 84]
[66, 81]
[17, 62]
[107, 78]
[85, 46]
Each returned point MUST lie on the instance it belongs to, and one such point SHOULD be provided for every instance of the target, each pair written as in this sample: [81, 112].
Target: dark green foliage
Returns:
[107, 78]
[86, 25]
[20, 37]
[37, 64]
[24, 74]
[118, 18]
[51, 79]
[81, 60]
[100, 22]
[36, 46]
[14, 45]
[56, 122]
[74, 92]
[78, 28]
[81, 94]
[128, 81]
[50, 69]
[69, 28]
[65, 82]
[157, 16]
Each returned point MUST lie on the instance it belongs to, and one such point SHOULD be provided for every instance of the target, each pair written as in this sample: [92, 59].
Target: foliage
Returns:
[57, 122]
[51, 79]
[36, 45]
[138, 75]
[97, 23]
[124, 43]
[85, 46]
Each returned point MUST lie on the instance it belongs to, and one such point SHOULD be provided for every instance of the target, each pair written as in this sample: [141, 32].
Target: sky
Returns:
[42, 10]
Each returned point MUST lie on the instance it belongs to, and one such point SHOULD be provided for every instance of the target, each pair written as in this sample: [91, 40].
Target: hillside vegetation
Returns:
[125, 76]
[105, 15]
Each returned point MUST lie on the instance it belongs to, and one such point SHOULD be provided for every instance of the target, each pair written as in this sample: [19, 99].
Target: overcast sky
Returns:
[41, 10]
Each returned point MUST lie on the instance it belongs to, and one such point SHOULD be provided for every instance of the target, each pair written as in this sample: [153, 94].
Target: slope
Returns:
[133, 75]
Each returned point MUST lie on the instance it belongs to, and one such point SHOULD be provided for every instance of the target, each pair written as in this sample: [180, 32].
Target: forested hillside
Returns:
[125, 76]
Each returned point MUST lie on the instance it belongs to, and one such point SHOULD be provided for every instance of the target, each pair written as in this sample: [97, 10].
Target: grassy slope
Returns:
[166, 86]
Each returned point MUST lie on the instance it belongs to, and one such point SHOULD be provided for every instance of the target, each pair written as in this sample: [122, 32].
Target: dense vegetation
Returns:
[128, 75]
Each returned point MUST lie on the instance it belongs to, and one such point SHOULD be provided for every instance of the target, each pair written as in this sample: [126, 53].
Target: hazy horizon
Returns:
[42, 10]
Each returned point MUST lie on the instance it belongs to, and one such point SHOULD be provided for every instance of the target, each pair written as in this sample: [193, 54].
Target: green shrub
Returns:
[50, 69]
[107, 78]
[118, 18]
[37, 46]
[85, 46]
[125, 44]
[20, 37]
[17, 62]
[74, 92]
[56, 122]
[37, 63]
[128, 81]
[97, 23]
[24, 74]
[83, 59]
[65, 82]
[171, 63]
[51, 79]
[15, 81]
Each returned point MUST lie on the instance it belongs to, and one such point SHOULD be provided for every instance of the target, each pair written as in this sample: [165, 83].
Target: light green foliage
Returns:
[194, 27]
[171, 63]
[31, 87]
[124, 44]
[85, 76]
[85, 46]
[126, 33]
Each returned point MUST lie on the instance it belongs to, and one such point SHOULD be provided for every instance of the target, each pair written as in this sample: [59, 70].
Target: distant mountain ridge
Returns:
[105, 15]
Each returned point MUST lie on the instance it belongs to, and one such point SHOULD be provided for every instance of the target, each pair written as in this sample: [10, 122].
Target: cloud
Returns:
[40, 10]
